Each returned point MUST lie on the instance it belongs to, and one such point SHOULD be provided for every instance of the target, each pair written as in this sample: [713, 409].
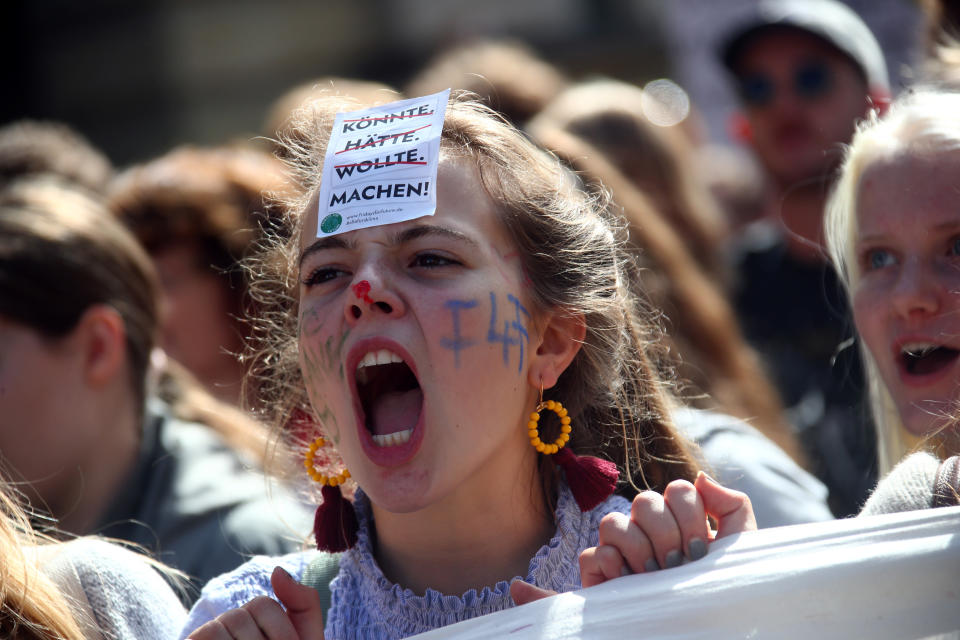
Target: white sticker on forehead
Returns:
[381, 165]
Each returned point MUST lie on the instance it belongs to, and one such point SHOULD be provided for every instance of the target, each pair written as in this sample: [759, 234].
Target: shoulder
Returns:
[744, 459]
[127, 596]
[210, 492]
[909, 486]
[248, 581]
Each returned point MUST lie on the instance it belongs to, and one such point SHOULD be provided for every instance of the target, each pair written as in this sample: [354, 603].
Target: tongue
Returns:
[395, 411]
[934, 361]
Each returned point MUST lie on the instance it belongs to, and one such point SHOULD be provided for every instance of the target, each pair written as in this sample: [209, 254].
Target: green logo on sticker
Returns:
[331, 223]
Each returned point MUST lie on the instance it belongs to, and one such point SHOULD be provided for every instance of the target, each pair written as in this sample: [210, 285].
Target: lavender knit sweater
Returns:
[365, 604]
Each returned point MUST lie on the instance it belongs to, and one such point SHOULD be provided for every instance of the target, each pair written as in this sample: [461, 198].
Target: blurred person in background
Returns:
[700, 345]
[507, 75]
[609, 115]
[941, 42]
[197, 211]
[736, 181]
[278, 124]
[84, 431]
[33, 147]
[806, 72]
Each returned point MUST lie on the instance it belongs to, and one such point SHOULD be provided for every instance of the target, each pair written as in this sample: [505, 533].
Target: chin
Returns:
[922, 423]
[401, 492]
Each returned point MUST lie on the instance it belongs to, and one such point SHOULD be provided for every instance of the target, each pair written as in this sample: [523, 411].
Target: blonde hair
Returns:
[573, 250]
[922, 121]
[31, 605]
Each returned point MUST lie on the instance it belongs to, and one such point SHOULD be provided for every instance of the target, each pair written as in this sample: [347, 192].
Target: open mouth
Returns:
[390, 396]
[924, 358]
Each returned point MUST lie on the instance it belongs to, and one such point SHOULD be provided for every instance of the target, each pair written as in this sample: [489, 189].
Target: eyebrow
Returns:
[402, 237]
[426, 230]
[947, 225]
[323, 244]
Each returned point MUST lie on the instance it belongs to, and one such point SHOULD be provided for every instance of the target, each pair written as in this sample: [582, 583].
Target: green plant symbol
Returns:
[331, 222]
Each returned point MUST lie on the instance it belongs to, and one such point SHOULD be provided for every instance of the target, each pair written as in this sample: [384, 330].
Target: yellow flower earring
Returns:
[534, 433]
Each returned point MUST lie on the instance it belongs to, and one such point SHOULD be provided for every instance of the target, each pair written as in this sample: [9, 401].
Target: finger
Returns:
[651, 515]
[269, 618]
[590, 572]
[684, 502]
[600, 564]
[732, 509]
[524, 592]
[240, 624]
[619, 531]
[213, 630]
[304, 609]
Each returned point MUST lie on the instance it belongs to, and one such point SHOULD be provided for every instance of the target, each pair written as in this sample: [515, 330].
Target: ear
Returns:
[879, 99]
[560, 342]
[739, 128]
[102, 337]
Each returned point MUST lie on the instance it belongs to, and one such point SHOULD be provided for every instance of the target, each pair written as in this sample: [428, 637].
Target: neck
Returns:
[100, 476]
[470, 539]
[801, 214]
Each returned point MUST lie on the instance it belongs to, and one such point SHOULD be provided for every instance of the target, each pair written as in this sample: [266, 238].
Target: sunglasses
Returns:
[810, 81]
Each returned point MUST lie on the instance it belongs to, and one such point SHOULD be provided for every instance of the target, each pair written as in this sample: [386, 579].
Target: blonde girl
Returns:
[893, 230]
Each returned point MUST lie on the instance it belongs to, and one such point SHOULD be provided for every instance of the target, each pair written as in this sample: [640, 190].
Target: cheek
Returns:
[320, 356]
[869, 315]
[491, 330]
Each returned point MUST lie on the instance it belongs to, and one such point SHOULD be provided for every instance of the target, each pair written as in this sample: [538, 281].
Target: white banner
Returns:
[889, 577]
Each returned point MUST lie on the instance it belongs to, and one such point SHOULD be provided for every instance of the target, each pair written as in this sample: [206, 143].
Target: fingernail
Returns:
[674, 559]
[708, 477]
[651, 565]
[697, 548]
[625, 570]
[284, 573]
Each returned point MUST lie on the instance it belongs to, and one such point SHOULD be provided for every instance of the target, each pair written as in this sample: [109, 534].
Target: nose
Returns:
[371, 295]
[917, 291]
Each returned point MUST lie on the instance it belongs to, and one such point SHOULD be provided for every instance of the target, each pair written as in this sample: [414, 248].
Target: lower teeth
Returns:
[392, 439]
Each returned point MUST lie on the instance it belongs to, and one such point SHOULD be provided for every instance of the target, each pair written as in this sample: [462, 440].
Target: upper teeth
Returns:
[374, 358]
[918, 349]
[383, 356]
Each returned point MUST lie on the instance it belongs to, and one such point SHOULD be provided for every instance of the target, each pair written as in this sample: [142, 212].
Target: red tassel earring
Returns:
[335, 522]
[591, 480]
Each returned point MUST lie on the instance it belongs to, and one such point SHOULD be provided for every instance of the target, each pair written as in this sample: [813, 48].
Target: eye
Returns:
[955, 246]
[432, 261]
[878, 259]
[321, 275]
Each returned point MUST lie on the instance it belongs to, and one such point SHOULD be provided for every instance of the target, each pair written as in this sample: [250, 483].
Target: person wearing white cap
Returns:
[806, 71]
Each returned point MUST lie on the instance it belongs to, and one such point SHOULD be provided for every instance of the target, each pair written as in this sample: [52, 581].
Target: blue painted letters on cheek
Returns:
[507, 337]
[518, 326]
[458, 342]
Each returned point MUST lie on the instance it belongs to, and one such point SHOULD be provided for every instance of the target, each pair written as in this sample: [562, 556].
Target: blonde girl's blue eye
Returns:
[878, 259]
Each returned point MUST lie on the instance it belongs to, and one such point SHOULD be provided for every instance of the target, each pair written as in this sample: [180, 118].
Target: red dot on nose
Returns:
[361, 289]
